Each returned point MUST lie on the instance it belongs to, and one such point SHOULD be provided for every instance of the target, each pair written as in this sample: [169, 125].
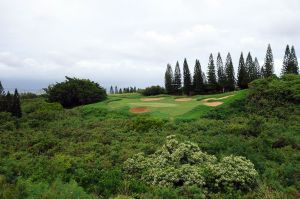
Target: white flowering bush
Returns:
[184, 164]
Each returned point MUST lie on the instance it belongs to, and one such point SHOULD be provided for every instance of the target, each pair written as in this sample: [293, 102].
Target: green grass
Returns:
[167, 107]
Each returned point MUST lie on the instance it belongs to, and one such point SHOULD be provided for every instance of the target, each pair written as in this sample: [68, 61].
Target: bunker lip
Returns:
[183, 99]
[151, 99]
[208, 102]
[139, 110]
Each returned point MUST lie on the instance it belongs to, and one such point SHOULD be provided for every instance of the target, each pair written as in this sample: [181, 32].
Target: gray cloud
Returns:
[129, 42]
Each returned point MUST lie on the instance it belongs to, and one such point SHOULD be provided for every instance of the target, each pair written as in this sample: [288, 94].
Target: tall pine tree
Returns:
[169, 79]
[269, 63]
[187, 80]
[8, 102]
[116, 90]
[211, 75]
[111, 90]
[2, 98]
[257, 68]
[250, 67]
[293, 62]
[177, 79]
[198, 81]
[221, 73]
[229, 71]
[286, 58]
[16, 105]
[242, 81]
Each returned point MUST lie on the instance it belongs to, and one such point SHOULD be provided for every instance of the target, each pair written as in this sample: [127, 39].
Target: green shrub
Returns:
[153, 90]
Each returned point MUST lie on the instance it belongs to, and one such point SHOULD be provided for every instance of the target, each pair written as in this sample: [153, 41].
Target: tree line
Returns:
[221, 78]
[10, 103]
[115, 90]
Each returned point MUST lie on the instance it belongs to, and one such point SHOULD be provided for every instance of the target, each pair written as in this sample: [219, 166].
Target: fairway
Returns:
[167, 106]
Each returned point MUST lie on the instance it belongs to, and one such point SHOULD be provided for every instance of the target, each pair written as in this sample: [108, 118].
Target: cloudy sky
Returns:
[129, 42]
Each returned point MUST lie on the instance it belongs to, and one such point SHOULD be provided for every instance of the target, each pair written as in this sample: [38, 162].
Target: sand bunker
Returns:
[139, 110]
[183, 99]
[213, 104]
[151, 99]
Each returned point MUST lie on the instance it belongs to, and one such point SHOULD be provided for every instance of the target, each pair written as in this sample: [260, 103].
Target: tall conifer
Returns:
[221, 73]
[242, 81]
[16, 105]
[187, 80]
[198, 81]
[293, 62]
[211, 74]
[169, 79]
[229, 71]
[177, 79]
[286, 58]
[269, 63]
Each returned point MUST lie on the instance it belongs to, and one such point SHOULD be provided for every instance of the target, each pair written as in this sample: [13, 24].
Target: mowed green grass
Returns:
[167, 107]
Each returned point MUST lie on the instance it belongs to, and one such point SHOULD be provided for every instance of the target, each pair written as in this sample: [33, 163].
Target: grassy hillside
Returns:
[80, 153]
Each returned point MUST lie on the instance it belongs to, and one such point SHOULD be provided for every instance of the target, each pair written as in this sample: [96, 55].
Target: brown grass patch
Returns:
[151, 99]
[139, 110]
[183, 99]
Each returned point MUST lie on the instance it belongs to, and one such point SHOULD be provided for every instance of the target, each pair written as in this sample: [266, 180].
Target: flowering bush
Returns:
[184, 164]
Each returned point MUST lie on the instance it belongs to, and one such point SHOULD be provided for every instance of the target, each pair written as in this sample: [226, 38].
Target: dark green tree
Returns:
[257, 68]
[2, 98]
[116, 90]
[169, 80]
[8, 102]
[221, 73]
[187, 80]
[229, 72]
[177, 79]
[211, 75]
[269, 63]
[111, 90]
[293, 62]
[16, 105]
[242, 81]
[198, 81]
[250, 67]
[120, 91]
[286, 58]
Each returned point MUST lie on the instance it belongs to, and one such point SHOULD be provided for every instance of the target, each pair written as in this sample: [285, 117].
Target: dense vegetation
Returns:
[152, 90]
[52, 152]
[75, 92]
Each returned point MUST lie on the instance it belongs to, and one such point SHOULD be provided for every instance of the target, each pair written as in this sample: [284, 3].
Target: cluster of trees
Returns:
[115, 90]
[222, 78]
[75, 92]
[10, 103]
[152, 90]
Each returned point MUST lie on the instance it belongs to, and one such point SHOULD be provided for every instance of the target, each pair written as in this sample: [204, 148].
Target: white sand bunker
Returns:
[183, 99]
[207, 102]
[151, 99]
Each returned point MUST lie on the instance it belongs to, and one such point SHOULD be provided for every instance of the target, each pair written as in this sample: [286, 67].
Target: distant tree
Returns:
[293, 62]
[229, 71]
[8, 102]
[221, 73]
[111, 90]
[242, 81]
[153, 90]
[75, 92]
[16, 105]
[211, 75]
[177, 79]
[120, 91]
[116, 90]
[257, 68]
[2, 98]
[198, 81]
[131, 89]
[269, 63]
[250, 67]
[285, 66]
[134, 89]
[187, 80]
[169, 80]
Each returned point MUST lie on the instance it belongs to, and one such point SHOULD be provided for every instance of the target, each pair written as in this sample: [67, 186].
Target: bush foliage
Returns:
[153, 90]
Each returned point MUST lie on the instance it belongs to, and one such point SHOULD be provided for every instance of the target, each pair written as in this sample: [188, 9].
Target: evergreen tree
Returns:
[262, 72]
[198, 81]
[221, 73]
[8, 102]
[116, 90]
[111, 90]
[2, 98]
[16, 105]
[293, 62]
[229, 72]
[134, 89]
[286, 58]
[257, 68]
[187, 80]
[177, 79]
[169, 79]
[120, 91]
[250, 67]
[269, 63]
[211, 75]
[242, 81]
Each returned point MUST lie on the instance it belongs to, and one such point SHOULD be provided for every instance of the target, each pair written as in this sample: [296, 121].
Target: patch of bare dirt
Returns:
[213, 104]
[151, 99]
[183, 99]
[139, 110]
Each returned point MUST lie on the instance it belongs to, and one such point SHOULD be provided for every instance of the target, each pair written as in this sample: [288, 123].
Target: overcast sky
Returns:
[130, 42]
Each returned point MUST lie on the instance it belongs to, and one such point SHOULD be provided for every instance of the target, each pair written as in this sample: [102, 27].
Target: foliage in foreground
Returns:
[184, 164]
[75, 92]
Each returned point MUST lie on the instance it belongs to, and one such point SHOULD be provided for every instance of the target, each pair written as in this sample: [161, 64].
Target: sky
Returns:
[130, 42]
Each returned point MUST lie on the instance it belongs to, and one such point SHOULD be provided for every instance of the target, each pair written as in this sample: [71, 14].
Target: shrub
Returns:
[153, 90]
[184, 164]
[75, 92]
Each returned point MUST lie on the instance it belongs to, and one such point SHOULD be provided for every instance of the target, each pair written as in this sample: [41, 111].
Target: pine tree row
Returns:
[10, 103]
[124, 90]
[221, 78]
